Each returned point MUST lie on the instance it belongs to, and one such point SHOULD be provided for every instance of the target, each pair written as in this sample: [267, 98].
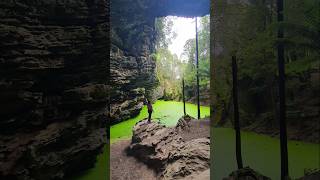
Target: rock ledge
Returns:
[163, 149]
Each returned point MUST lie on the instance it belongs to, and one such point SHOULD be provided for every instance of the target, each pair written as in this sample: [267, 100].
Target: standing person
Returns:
[149, 110]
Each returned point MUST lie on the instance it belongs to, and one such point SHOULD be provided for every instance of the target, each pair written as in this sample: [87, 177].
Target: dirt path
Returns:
[124, 167]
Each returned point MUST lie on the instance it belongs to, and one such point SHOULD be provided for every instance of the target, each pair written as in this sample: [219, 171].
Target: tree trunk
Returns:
[265, 14]
[197, 61]
[236, 112]
[271, 11]
[282, 105]
[183, 98]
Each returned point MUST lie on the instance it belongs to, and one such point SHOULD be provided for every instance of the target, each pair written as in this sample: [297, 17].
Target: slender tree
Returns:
[197, 62]
[236, 111]
[282, 106]
[184, 100]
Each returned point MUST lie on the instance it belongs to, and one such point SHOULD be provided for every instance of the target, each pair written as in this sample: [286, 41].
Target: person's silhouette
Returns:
[149, 106]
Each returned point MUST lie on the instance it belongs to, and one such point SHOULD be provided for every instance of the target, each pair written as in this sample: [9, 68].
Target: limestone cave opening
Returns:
[153, 47]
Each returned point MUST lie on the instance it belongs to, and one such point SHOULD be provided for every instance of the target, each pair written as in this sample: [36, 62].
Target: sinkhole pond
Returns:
[260, 152]
[167, 112]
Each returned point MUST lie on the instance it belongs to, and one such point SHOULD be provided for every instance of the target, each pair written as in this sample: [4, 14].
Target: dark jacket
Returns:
[149, 107]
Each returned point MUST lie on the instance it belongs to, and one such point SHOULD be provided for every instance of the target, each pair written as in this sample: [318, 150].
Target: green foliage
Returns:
[302, 66]
[171, 69]
[168, 73]
[164, 34]
[189, 69]
[249, 33]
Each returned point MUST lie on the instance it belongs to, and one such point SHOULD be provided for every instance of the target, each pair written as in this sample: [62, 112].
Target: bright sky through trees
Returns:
[185, 29]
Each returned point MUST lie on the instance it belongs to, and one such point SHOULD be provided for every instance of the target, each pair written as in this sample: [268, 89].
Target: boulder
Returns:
[163, 149]
[313, 175]
[246, 174]
[152, 143]
[190, 158]
[183, 122]
[205, 175]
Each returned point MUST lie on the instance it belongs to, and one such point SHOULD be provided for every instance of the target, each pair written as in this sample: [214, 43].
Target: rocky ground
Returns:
[124, 167]
[246, 174]
[311, 176]
[249, 174]
[158, 152]
[195, 129]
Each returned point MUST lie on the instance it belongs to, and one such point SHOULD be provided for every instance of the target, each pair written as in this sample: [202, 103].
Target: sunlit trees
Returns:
[168, 73]
[170, 67]
[189, 56]
[164, 33]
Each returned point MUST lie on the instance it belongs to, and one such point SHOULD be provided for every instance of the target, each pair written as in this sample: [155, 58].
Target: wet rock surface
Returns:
[165, 151]
[53, 92]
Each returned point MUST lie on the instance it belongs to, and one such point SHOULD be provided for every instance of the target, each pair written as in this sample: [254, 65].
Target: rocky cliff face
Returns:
[133, 37]
[132, 66]
[54, 56]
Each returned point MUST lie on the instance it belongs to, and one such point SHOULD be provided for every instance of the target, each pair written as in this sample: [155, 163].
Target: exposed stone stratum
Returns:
[163, 149]
[53, 93]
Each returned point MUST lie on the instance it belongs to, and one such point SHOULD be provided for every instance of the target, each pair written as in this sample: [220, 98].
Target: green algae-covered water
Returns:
[100, 170]
[261, 153]
[168, 112]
